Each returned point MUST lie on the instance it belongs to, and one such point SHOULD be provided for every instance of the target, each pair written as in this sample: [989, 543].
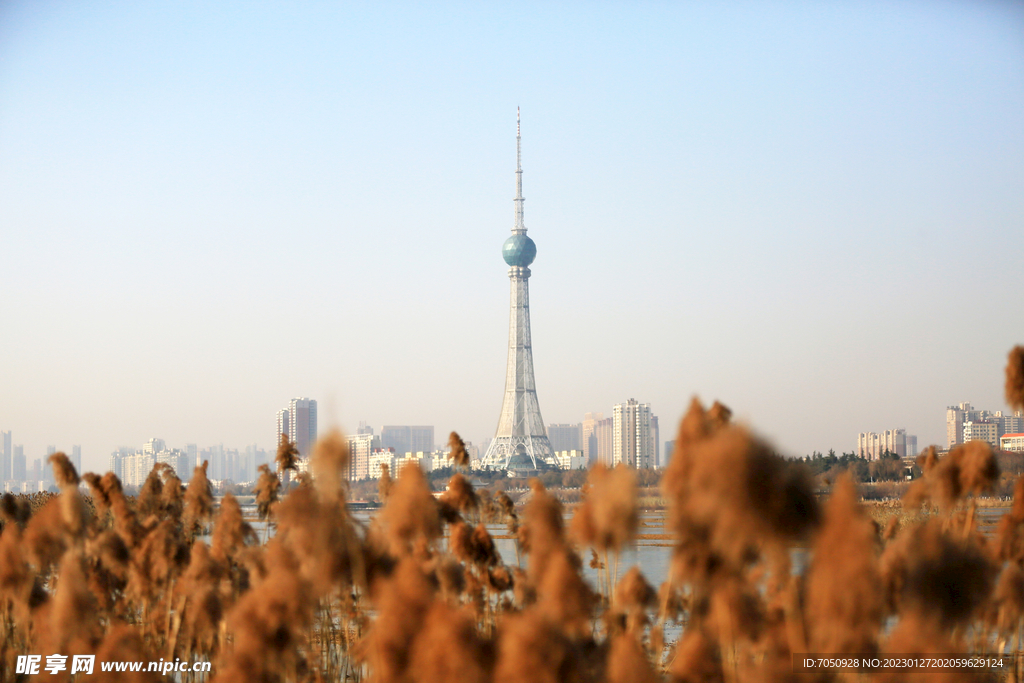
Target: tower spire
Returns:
[519, 227]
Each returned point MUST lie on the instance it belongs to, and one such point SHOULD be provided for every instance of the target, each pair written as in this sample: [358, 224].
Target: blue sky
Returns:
[810, 211]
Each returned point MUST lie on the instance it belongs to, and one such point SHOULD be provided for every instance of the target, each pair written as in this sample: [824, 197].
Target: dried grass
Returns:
[421, 593]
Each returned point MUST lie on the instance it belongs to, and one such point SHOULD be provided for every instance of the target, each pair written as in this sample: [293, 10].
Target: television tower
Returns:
[520, 442]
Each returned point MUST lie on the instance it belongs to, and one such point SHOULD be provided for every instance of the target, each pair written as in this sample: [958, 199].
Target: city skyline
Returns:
[605, 434]
[205, 213]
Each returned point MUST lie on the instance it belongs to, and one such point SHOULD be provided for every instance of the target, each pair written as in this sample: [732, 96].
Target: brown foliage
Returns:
[844, 589]
[697, 659]
[268, 624]
[460, 495]
[46, 537]
[1007, 605]
[14, 510]
[607, 519]
[969, 468]
[410, 515]
[318, 534]
[447, 648]
[939, 577]
[919, 635]
[330, 463]
[123, 643]
[531, 648]
[267, 487]
[63, 471]
[384, 483]
[563, 596]
[198, 500]
[473, 546]
[1015, 378]
[543, 531]
[628, 663]
[231, 533]
[633, 592]
[730, 494]
[329, 593]
[402, 601]
[457, 450]
[287, 455]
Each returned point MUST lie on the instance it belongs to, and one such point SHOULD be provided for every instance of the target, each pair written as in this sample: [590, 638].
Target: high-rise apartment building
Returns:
[47, 466]
[283, 426]
[565, 437]
[6, 457]
[604, 436]
[421, 438]
[136, 468]
[588, 437]
[379, 457]
[1010, 424]
[254, 457]
[656, 441]
[116, 462]
[19, 469]
[872, 446]
[632, 444]
[955, 418]
[407, 438]
[177, 459]
[474, 453]
[298, 423]
[959, 415]
[982, 430]
[215, 456]
[360, 448]
[154, 446]
[232, 465]
[76, 458]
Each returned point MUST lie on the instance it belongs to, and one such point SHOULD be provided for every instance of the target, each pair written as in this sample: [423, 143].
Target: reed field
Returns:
[419, 591]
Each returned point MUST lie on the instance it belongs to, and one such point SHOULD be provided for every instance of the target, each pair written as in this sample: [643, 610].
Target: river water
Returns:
[652, 550]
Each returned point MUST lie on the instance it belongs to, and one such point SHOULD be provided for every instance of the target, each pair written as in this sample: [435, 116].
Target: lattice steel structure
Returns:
[520, 442]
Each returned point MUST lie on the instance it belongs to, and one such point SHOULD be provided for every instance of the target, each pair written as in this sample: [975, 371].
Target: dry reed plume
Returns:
[1015, 378]
[421, 592]
[457, 450]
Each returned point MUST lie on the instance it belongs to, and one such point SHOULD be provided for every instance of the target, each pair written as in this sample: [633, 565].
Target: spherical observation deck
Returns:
[519, 250]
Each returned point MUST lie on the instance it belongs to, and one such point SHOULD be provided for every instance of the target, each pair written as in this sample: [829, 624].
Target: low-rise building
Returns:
[571, 460]
[1012, 442]
[422, 458]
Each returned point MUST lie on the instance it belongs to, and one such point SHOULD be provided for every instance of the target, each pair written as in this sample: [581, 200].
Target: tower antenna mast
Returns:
[519, 226]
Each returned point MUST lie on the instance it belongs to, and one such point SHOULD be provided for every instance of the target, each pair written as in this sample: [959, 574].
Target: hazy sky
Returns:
[811, 211]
